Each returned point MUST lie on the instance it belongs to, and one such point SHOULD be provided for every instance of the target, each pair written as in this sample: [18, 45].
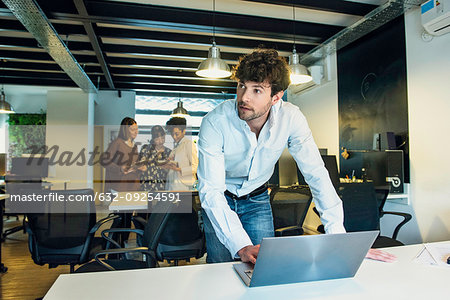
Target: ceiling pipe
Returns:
[373, 20]
[34, 20]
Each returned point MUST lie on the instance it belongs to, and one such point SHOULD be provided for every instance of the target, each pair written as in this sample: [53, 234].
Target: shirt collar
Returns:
[180, 142]
[274, 110]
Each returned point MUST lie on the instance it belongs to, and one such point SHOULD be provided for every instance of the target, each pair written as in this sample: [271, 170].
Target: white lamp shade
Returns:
[5, 107]
[299, 73]
[179, 111]
[213, 66]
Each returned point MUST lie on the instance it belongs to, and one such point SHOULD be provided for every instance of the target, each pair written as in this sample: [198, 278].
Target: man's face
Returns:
[177, 134]
[254, 99]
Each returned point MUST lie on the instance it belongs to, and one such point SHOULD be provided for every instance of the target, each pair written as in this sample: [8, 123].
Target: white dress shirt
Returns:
[232, 158]
[185, 154]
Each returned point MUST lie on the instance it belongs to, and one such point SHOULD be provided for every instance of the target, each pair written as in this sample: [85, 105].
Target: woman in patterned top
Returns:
[154, 178]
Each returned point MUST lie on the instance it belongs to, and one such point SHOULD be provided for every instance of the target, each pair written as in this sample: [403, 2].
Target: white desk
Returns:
[53, 181]
[129, 201]
[404, 279]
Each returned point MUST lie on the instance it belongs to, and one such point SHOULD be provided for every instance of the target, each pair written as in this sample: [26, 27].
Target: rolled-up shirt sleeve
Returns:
[211, 176]
[302, 147]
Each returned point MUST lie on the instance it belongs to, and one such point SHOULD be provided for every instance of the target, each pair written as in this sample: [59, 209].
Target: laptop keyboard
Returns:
[249, 273]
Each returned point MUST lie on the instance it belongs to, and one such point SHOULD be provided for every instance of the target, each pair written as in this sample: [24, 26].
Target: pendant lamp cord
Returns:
[293, 20]
[214, 21]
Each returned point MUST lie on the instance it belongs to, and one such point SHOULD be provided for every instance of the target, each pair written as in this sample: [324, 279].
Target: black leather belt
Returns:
[255, 192]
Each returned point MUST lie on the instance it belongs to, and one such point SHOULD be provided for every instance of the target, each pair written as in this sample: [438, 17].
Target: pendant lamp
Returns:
[299, 73]
[213, 66]
[5, 107]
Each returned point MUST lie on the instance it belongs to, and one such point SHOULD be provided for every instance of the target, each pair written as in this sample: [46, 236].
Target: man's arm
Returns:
[211, 176]
[305, 152]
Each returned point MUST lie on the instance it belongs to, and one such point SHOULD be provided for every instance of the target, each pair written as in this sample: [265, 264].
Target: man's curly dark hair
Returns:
[263, 65]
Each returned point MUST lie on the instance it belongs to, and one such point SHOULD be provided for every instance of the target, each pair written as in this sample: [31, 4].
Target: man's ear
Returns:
[277, 97]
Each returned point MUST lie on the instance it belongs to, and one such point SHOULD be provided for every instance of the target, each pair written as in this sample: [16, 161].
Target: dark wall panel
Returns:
[372, 90]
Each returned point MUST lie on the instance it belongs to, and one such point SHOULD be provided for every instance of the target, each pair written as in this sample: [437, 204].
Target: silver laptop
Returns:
[293, 259]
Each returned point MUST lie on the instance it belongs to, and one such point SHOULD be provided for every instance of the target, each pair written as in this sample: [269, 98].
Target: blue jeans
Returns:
[256, 217]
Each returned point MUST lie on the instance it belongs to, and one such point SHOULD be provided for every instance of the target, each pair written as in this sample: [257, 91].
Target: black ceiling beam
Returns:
[128, 62]
[172, 77]
[187, 81]
[131, 49]
[219, 96]
[37, 81]
[12, 54]
[153, 72]
[194, 89]
[33, 43]
[27, 74]
[336, 6]
[42, 66]
[29, 65]
[69, 29]
[66, 6]
[122, 79]
[95, 42]
[205, 18]
[108, 32]
[34, 81]
[62, 29]
[84, 59]
[191, 19]
[44, 56]
[166, 113]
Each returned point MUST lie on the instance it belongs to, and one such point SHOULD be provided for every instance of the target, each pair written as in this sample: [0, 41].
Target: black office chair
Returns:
[182, 238]
[64, 238]
[148, 240]
[362, 211]
[289, 206]
[15, 185]
[382, 241]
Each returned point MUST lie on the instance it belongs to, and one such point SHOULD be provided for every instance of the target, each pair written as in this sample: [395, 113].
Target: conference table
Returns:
[404, 279]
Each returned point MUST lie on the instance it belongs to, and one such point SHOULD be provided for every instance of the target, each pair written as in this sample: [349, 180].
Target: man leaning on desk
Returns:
[239, 143]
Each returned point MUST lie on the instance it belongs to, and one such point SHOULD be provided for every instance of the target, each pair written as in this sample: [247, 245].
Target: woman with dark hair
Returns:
[155, 154]
[119, 159]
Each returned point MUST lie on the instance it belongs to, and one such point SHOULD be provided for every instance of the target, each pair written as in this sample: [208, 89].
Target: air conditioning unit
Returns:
[436, 16]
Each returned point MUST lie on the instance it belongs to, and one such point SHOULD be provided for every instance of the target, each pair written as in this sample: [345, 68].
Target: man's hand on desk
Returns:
[380, 255]
[249, 253]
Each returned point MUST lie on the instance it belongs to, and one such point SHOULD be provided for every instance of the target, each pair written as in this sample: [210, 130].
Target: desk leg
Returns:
[3, 268]
[124, 222]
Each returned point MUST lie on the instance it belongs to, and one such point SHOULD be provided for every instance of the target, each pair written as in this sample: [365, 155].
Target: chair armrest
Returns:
[143, 250]
[289, 231]
[406, 218]
[103, 221]
[139, 220]
[138, 232]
